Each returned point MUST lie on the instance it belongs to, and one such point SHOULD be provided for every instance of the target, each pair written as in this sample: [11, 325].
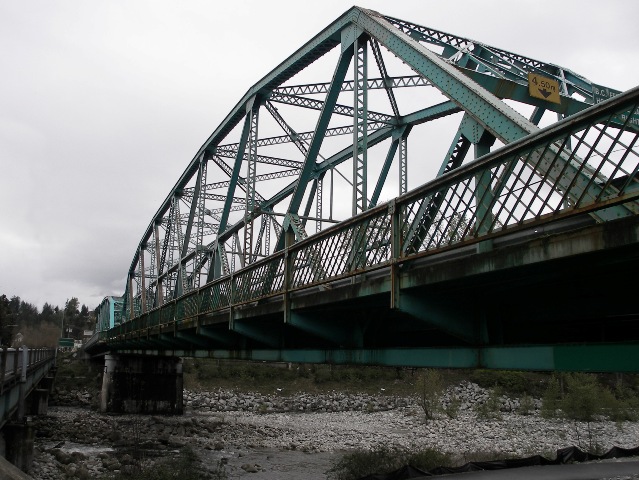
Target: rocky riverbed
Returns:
[282, 436]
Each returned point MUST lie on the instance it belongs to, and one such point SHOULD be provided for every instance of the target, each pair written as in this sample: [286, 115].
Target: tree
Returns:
[72, 308]
[14, 307]
[47, 315]
[6, 321]
[28, 315]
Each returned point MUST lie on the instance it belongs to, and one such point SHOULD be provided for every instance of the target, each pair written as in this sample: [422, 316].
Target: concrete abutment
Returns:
[142, 384]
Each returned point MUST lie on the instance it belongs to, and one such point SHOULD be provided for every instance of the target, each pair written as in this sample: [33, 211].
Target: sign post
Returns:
[65, 343]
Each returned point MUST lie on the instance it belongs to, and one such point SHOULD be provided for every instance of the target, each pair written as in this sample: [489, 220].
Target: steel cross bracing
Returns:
[415, 80]
[469, 214]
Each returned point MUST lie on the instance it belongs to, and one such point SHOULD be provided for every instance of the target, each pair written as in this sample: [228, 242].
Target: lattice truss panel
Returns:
[325, 136]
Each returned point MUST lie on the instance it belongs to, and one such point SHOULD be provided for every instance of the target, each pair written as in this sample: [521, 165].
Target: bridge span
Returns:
[520, 251]
[553, 290]
[26, 380]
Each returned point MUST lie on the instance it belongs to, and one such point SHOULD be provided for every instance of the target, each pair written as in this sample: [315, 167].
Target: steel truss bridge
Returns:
[515, 246]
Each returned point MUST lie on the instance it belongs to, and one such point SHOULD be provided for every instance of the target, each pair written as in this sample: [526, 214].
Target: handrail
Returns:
[13, 360]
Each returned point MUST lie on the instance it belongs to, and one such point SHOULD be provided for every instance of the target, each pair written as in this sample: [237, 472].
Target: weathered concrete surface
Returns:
[139, 384]
[18, 444]
[8, 471]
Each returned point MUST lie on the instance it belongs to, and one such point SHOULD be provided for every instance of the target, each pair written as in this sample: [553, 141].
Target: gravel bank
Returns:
[297, 436]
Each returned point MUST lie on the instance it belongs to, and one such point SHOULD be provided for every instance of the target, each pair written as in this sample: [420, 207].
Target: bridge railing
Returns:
[587, 163]
[16, 363]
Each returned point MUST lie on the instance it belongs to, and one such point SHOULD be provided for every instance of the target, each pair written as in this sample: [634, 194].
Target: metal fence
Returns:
[14, 360]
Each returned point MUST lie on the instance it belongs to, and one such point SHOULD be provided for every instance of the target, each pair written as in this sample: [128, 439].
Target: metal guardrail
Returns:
[587, 163]
[21, 371]
[16, 364]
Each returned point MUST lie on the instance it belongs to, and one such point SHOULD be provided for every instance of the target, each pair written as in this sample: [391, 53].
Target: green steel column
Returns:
[483, 194]
[289, 240]
[236, 170]
[360, 125]
[200, 260]
[159, 294]
[251, 173]
[390, 155]
[396, 251]
[178, 291]
[318, 203]
[142, 280]
[403, 163]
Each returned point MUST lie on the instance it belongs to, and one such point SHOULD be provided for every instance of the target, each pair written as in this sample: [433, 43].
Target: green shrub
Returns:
[625, 406]
[526, 405]
[322, 375]
[585, 399]
[186, 467]
[512, 383]
[490, 409]
[428, 459]
[383, 460]
[551, 400]
[429, 392]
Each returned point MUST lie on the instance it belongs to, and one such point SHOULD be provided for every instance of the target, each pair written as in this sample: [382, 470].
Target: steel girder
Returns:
[179, 249]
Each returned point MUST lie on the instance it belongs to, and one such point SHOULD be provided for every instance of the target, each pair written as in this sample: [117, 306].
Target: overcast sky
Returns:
[104, 103]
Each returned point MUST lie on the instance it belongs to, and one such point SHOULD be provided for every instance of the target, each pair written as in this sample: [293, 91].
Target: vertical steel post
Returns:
[179, 285]
[483, 193]
[360, 124]
[25, 363]
[131, 306]
[267, 234]
[289, 241]
[142, 281]
[403, 163]
[159, 292]
[200, 226]
[251, 169]
[396, 249]
[318, 204]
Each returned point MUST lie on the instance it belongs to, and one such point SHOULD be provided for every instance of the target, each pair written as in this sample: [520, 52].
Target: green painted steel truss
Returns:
[253, 215]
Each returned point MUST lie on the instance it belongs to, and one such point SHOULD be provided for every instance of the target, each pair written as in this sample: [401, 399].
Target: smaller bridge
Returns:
[25, 384]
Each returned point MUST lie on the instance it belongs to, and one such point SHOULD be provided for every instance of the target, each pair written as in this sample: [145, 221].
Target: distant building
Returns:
[17, 340]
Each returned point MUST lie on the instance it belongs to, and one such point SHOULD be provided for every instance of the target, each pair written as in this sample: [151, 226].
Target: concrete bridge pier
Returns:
[39, 397]
[18, 444]
[142, 384]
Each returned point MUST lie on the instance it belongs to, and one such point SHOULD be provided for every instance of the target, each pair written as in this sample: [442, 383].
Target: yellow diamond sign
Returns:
[544, 88]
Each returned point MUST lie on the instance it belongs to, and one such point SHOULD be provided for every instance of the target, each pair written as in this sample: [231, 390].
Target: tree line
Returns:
[22, 322]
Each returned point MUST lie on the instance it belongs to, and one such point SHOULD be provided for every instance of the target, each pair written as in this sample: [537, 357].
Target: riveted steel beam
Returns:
[360, 125]
[498, 118]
